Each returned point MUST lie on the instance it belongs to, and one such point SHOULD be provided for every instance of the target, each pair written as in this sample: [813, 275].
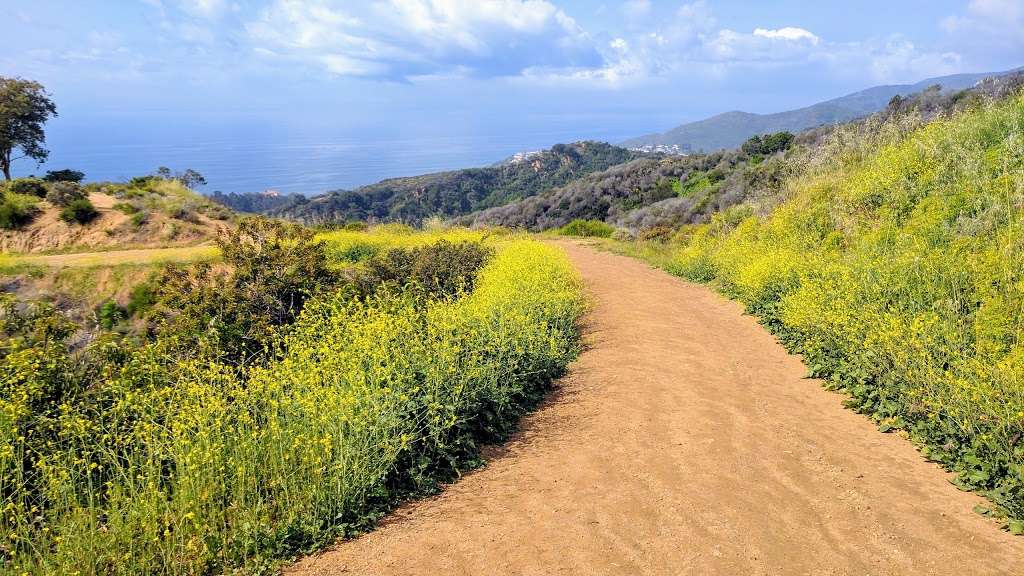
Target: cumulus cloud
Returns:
[403, 39]
[989, 27]
[789, 33]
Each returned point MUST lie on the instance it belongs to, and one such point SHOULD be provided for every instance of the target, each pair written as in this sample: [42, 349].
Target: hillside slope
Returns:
[458, 192]
[730, 129]
[173, 217]
[894, 266]
[672, 191]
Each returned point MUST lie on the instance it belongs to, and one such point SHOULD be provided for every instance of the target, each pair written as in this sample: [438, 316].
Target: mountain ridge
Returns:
[730, 129]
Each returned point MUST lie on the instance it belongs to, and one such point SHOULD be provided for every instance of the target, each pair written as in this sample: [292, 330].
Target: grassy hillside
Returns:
[730, 129]
[447, 194]
[264, 414]
[894, 266]
[145, 213]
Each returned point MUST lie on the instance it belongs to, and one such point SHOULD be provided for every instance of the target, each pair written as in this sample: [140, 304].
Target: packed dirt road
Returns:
[685, 440]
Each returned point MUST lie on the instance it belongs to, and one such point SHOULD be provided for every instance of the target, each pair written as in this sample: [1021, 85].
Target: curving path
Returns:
[685, 440]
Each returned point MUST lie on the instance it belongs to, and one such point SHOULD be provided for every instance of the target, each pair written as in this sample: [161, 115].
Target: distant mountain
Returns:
[458, 192]
[731, 129]
[672, 190]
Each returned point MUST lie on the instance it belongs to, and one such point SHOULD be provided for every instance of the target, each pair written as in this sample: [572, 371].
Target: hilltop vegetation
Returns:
[655, 194]
[893, 265]
[447, 194]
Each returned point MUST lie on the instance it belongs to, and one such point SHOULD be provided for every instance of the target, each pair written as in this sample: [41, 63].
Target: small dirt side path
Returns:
[685, 440]
[115, 257]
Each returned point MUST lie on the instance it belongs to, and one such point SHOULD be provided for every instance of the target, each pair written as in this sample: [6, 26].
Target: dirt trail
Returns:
[113, 257]
[685, 440]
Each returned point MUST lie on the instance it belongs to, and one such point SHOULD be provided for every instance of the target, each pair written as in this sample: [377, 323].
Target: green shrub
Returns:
[355, 226]
[28, 187]
[110, 314]
[443, 269]
[142, 298]
[79, 211]
[139, 218]
[17, 210]
[64, 193]
[274, 268]
[587, 228]
[126, 208]
[64, 176]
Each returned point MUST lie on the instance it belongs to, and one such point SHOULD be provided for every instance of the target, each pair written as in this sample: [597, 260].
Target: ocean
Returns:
[254, 157]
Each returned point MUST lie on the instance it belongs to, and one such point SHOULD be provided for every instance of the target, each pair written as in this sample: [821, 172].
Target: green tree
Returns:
[25, 106]
[65, 175]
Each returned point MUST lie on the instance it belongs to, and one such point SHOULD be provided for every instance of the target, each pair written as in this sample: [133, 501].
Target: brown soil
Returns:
[685, 440]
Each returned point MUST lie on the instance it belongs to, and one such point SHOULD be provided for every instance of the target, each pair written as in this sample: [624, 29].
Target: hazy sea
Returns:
[254, 157]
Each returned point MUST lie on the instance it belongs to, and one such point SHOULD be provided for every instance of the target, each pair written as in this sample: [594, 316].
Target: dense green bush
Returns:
[79, 211]
[442, 270]
[587, 228]
[273, 269]
[17, 210]
[64, 175]
[64, 193]
[28, 186]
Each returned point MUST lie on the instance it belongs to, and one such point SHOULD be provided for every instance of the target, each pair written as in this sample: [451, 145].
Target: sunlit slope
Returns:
[897, 269]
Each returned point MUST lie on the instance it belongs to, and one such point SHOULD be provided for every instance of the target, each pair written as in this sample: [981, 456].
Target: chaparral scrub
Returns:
[172, 462]
[897, 269]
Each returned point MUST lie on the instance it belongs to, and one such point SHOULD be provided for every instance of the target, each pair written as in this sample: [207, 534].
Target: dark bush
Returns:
[441, 270]
[142, 182]
[64, 176]
[28, 186]
[79, 211]
[64, 193]
[273, 269]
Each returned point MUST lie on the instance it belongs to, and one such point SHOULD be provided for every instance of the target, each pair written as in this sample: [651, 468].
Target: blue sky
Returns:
[395, 67]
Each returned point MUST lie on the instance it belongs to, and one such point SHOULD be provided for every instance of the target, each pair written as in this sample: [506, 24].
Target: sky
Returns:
[393, 69]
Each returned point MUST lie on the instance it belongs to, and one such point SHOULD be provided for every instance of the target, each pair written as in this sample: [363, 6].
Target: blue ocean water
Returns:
[253, 156]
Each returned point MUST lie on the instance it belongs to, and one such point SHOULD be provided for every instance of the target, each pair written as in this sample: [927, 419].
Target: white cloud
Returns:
[401, 39]
[993, 27]
[899, 61]
[790, 33]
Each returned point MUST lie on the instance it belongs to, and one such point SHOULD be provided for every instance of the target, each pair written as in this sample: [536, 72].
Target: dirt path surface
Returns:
[685, 440]
[112, 257]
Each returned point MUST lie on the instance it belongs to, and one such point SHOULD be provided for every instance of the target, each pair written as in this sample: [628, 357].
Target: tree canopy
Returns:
[25, 106]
